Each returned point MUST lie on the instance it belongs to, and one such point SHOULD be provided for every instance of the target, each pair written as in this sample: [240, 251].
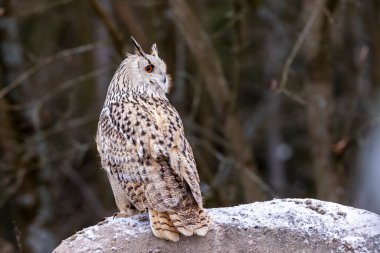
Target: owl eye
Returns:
[149, 68]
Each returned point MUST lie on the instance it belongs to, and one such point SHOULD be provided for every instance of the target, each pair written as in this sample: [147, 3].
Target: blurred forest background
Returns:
[278, 98]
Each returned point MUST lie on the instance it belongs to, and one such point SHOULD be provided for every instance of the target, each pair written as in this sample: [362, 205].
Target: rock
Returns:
[280, 225]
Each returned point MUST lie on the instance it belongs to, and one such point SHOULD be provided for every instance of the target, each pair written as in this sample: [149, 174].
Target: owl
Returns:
[143, 149]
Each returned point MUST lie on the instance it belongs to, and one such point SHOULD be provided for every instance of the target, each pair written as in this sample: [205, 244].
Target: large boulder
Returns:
[280, 225]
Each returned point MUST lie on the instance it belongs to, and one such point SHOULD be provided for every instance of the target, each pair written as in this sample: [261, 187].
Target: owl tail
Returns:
[162, 226]
[191, 220]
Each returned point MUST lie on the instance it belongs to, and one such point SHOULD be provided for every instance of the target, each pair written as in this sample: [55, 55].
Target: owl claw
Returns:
[120, 215]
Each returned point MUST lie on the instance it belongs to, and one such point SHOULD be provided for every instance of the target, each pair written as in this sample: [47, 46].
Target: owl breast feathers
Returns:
[143, 148]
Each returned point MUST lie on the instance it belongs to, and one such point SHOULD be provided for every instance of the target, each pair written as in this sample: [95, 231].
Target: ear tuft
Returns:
[154, 50]
[138, 49]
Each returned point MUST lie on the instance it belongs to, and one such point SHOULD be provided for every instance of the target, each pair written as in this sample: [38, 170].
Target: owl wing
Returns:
[148, 155]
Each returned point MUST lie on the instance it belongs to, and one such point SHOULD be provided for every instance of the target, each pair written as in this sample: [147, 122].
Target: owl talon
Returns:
[120, 215]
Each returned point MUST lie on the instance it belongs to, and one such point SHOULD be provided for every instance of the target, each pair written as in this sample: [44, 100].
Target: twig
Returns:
[63, 126]
[60, 88]
[243, 169]
[84, 189]
[116, 35]
[129, 19]
[294, 97]
[72, 82]
[229, 25]
[238, 45]
[48, 60]
[65, 155]
[8, 188]
[18, 236]
[329, 16]
[220, 140]
[43, 8]
[147, 3]
[301, 38]
[367, 126]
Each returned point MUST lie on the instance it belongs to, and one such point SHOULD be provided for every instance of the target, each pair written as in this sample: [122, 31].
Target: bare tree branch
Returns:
[38, 102]
[202, 49]
[318, 9]
[41, 9]
[64, 126]
[84, 189]
[115, 34]
[48, 60]
[130, 20]
[252, 176]
[216, 84]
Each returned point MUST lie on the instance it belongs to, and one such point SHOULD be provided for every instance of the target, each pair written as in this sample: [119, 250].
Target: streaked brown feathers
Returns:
[143, 148]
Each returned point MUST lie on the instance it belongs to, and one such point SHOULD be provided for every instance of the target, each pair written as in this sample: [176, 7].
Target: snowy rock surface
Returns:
[280, 225]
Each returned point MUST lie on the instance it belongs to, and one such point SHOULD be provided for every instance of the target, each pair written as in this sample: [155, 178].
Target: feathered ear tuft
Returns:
[154, 50]
[138, 48]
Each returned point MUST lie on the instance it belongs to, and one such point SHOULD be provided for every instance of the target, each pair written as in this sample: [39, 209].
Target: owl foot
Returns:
[121, 215]
[162, 226]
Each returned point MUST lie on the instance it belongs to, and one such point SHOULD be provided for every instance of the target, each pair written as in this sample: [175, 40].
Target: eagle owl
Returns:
[142, 146]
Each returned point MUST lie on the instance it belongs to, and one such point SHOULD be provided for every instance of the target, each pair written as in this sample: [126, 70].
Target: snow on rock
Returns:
[280, 225]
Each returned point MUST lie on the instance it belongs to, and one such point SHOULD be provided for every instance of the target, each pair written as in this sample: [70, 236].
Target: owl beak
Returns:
[163, 78]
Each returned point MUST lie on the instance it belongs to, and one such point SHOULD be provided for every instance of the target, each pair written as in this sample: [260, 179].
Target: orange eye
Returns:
[149, 68]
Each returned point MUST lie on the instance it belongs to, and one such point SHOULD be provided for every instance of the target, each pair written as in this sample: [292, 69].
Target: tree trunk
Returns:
[319, 93]
[204, 53]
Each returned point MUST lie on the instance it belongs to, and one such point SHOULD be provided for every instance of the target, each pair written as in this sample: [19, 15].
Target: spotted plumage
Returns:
[141, 142]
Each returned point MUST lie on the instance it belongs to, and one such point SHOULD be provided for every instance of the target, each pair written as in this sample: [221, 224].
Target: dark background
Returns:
[278, 98]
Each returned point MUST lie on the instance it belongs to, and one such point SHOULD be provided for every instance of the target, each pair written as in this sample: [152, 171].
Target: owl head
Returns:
[141, 74]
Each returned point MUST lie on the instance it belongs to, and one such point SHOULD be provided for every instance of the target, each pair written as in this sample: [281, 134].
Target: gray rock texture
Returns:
[280, 225]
